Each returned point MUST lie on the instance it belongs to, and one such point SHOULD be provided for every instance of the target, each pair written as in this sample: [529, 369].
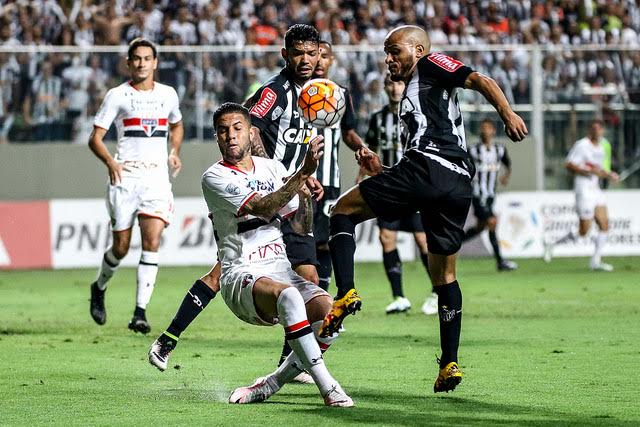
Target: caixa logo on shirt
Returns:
[297, 135]
[261, 186]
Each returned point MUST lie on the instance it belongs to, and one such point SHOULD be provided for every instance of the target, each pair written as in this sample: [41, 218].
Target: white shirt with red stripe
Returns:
[586, 155]
[142, 121]
[245, 240]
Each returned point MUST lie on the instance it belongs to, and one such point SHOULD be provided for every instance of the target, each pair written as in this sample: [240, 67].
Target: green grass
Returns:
[545, 345]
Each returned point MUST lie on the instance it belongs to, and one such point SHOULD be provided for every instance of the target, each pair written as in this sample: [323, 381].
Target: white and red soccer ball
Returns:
[321, 103]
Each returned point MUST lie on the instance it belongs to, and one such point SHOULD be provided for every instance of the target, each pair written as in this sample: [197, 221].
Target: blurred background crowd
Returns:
[53, 95]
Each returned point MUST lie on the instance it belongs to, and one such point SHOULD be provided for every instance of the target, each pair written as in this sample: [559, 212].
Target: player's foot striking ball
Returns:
[98, 312]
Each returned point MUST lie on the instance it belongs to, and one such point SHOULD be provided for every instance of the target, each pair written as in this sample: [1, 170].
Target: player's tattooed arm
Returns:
[266, 207]
[302, 220]
[257, 146]
[514, 126]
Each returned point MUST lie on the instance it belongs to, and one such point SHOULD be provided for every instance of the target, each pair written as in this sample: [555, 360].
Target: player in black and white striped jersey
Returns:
[328, 172]
[386, 137]
[489, 158]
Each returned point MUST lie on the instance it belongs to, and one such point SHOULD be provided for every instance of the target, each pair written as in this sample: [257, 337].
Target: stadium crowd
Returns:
[48, 96]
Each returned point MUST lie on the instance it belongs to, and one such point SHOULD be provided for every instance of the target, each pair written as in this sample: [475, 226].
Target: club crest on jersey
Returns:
[149, 125]
[267, 100]
[445, 62]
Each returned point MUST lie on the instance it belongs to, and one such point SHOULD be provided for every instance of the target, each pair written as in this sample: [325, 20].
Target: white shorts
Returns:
[137, 196]
[236, 287]
[586, 203]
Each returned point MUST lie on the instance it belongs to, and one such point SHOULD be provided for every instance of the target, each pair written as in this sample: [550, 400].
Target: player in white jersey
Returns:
[248, 199]
[144, 112]
[586, 162]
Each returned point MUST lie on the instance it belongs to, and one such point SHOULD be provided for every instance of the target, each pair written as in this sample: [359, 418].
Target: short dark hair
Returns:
[228, 108]
[138, 42]
[300, 33]
[488, 120]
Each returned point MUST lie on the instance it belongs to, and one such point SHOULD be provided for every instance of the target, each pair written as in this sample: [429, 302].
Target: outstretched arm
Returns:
[514, 126]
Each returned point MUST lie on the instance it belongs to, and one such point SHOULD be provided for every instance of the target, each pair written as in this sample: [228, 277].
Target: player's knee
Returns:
[151, 243]
[288, 300]
[318, 308]
[120, 249]
[492, 222]
[387, 240]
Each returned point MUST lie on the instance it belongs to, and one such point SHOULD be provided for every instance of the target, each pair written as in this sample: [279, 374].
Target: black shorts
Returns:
[483, 208]
[438, 188]
[410, 224]
[321, 214]
[301, 250]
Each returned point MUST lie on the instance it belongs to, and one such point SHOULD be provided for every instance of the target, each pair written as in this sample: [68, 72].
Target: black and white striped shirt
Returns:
[328, 172]
[274, 111]
[385, 136]
[431, 110]
[488, 160]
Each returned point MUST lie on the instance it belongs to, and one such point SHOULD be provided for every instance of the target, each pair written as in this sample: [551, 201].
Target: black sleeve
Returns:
[348, 120]
[371, 138]
[266, 106]
[506, 160]
[442, 70]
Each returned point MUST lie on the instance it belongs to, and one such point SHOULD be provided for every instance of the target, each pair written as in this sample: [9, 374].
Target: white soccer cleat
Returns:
[601, 266]
[159, 354]
[430, 306]
[255, 393]
[338, 398]
[303, 378]
[399, 305]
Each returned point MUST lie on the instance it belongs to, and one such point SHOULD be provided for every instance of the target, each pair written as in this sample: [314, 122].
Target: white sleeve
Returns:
[108, 111]
[576, 154]
[223, 193]
[175, 115]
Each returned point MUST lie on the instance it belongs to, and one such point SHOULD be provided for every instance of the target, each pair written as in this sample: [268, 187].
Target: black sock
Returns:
[139, 312]
[193, 303]
[495, 245]
[393, 268]
[286, 351]
[324, 268]
[471, 233]
[450, 312]
[342, 245]
[425, 262]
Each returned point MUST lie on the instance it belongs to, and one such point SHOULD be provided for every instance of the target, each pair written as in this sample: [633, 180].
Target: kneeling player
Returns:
[247, 200]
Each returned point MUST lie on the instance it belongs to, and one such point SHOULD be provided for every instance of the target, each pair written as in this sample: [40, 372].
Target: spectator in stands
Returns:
[47, 105]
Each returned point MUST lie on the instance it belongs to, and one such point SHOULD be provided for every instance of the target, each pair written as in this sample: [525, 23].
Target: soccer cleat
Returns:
[600, 266]
[259, 391]
[348, 304]
[448, 378]
[97, 310]
[160, 351]
[548, 252]
[399, 305]
[506, 265]
[430, 306]
[338, 398]
[303, 378]
[139, 324]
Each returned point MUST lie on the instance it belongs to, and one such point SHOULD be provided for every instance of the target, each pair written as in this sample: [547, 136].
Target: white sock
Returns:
[147, 273]
[292, 366]
[601, 239]
[298, 332]
[107, 268]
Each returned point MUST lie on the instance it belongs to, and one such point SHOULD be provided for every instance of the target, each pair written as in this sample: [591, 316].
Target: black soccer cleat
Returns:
[97, 310]
[506, 265]
[139, 324]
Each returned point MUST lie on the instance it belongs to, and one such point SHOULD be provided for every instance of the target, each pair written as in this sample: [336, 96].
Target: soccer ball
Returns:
[321, 103]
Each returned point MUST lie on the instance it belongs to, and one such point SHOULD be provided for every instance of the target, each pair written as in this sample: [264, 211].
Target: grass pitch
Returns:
[544, 345]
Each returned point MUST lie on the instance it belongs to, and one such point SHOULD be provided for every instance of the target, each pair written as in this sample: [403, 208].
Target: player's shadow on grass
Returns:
[430, 409]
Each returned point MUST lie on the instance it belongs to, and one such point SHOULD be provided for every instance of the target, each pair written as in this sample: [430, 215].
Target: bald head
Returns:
[410, 34]
[404, 46]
